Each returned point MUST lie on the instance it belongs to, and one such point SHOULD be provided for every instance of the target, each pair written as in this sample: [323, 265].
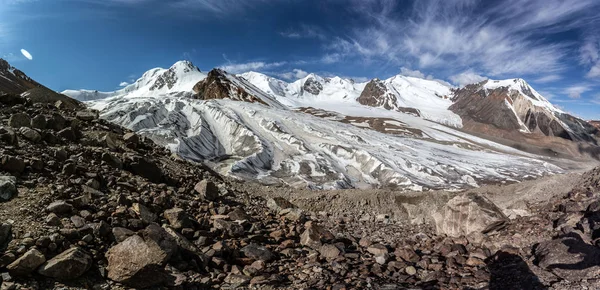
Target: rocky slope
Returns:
[88, 204]
[14, 81]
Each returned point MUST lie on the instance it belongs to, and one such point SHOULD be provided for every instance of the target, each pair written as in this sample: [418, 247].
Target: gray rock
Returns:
[5, 235]
[329, 251]
[178, 218]
[13, 164]
[8, 187]
[314, 235]
[377, 250]
[112, 160]
[231, 228]
[146, 168]
[59, 207]
[121, 234]
[38, 122]
[7, 135]
[279, 203]
[87, 115]
[468, 213]
[131, 138]
[144, 213]
[56, 122]
[207, 190]
[257, 252]
[19, 120]
[26, 263]
[67, 265]
[187, 247]
[30, 134]
[569, 257]
[68, 133]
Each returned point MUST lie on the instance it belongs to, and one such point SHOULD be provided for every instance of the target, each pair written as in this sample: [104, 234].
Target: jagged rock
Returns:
[238, 214]
[313, 236]
[19, 120]
[26, 263]
[67, 265]
[257, 252]
[377, 250]
[178, 218]
[329, 251]
[59, 207]
[144, 213]
[207, 190]
[56, 122]
[187, 247]
[30, 134]
[238, 280]
[68, 133]
[468, 213]
[38, 122]
[139, 262]
[231, 228]
[131, 138]
[87, 115]
[121, 234]
[146, 168]
[5, 235]
[279, 203]
[8, 136]
[112, 160]
[13, 164]
[569, 257]
[407, 254]
[8, 187]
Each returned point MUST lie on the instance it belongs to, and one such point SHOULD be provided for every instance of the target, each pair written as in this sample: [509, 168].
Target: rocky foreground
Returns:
[88, 204]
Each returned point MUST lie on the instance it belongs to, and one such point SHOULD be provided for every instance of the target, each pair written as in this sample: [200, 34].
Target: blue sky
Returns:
[100, 44]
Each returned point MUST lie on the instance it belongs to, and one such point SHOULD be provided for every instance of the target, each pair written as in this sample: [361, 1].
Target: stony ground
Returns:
[89, 205]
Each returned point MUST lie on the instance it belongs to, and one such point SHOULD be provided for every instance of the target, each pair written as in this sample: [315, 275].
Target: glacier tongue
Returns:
[274, 146]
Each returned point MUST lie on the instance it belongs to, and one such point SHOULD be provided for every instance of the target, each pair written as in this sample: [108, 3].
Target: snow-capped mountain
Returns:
[514, 105]
[178, 79]
[313, 132]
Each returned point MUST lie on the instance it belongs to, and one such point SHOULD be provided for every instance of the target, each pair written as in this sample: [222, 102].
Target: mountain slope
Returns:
[514, 105]
[14, 81]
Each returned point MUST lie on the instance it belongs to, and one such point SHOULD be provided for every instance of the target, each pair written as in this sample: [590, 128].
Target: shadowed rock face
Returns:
[510, 110]
[312, 86]
[375, 95]
[218, 86]
[14, 81]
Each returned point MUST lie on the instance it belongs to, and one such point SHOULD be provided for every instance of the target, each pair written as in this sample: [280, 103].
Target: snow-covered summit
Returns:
[521, 86]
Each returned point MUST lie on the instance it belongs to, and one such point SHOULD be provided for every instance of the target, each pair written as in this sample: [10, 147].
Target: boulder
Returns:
[146, 168]
[569, 257]
[329, 251]
[121, 234]
[19, 120]
[87, 115]
[67, 265]
[112, 161]
[56, 122]
[68, 133]
[13, 164]
[468, 213]
[144, 213]
[377, 250]
[26, 263]
[139, 262]
[185, 246]
[38, 122]
[59, 207]
[131, 138]
[314, 235]
[207, 190]
[8, 136]
[5, 235]
[178, 218]
[8, 187]
[278, 204]
[257, 252]
[230, 228]
[30, 134]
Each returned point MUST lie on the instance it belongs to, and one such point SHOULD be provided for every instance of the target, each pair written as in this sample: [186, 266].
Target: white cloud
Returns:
[295, 74]
[123, 84]
[596, 100]
[574, 92]
[460, 34]
[304, 31]
[411, 73]
[589, 56]
[26, 54]
[548, 79]
[466, 78]
[251, 66]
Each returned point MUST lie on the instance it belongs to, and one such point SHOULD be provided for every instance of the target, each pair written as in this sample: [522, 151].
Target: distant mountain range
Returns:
[320, 132]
